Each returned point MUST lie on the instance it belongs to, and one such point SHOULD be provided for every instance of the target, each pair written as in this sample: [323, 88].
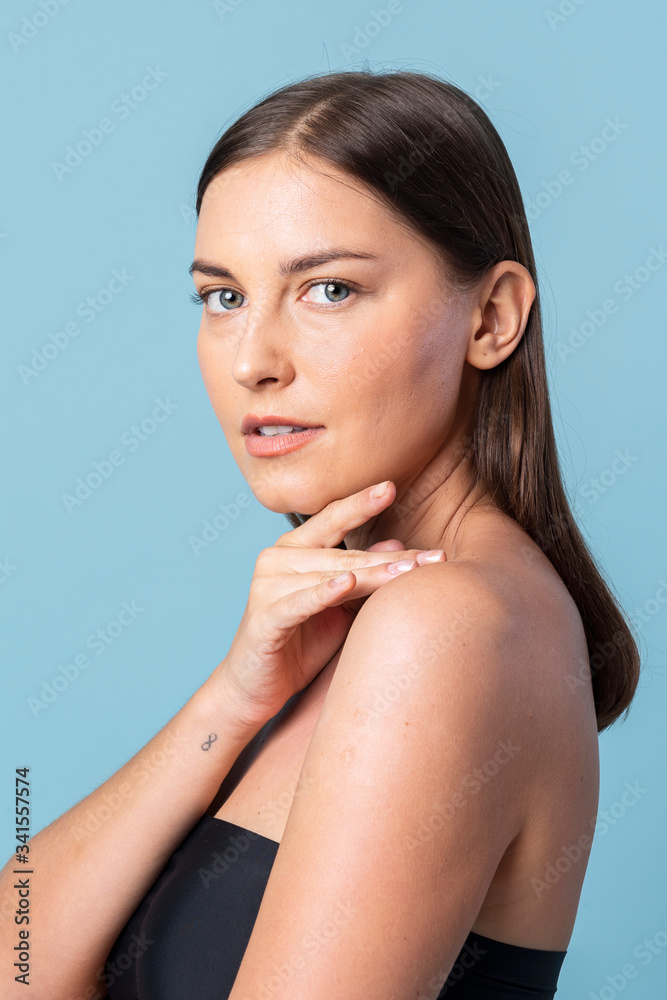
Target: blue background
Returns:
[549, 75]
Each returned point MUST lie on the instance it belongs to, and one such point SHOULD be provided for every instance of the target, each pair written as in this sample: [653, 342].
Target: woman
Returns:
[372, 794]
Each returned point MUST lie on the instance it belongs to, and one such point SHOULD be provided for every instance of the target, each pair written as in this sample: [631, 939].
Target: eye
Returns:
[333, 290]
[222, 300]
[218, 300]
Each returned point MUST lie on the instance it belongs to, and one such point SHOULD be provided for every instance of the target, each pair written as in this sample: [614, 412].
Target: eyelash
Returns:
[200, 299]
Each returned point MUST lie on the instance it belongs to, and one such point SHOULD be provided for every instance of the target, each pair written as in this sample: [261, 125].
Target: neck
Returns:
[429, 510]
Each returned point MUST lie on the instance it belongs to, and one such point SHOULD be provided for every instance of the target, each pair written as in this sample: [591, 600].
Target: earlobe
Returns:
[501, 314]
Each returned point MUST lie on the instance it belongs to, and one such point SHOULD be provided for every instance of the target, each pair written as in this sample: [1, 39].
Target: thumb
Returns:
[390, 545]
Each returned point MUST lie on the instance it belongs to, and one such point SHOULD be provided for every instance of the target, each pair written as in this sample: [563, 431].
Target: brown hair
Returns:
[431, 153]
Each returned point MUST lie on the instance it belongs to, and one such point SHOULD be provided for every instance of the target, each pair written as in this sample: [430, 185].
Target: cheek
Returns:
[433, 366]
[403, 391]
[203, 353]
[410, 370]
[210, 364]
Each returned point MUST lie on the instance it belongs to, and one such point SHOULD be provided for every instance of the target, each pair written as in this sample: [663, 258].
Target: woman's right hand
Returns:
[295, 620]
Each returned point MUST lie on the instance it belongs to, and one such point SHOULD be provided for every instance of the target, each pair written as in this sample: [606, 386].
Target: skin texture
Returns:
[391, 370]
[476, 651]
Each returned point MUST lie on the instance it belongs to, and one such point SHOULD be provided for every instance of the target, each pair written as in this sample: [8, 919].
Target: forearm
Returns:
[93, 865]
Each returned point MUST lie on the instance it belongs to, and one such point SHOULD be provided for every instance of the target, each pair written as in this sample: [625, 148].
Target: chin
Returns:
[290, 501]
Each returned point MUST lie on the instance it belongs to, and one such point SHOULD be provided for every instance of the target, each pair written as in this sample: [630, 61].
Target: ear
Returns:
[501, 306]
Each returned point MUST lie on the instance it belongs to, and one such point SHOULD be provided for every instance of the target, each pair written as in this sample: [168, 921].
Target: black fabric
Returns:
[187, 938]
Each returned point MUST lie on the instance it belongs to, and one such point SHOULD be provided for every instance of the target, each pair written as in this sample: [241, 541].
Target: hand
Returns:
[295, 620]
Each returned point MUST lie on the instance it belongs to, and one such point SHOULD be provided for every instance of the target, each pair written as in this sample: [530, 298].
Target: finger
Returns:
[286, 560]
[367, 577]
[328, 527]
[367, 582]
[296, 607]
[372, 578]
[391, 544]
[422, 556]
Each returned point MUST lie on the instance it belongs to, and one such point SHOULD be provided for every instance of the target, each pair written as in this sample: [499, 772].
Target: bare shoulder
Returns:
[450, 700]
[418, 767]
[498, 630]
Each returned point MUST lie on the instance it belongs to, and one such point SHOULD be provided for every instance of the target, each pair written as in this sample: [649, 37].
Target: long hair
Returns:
[429, 151]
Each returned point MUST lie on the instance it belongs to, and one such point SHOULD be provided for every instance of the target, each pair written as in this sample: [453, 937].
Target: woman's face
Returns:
[371, 347]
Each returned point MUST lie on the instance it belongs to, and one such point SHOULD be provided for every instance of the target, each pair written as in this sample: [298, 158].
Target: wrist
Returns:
[223, 702]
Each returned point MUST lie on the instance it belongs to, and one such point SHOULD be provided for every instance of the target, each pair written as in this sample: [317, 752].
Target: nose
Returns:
[263, 353]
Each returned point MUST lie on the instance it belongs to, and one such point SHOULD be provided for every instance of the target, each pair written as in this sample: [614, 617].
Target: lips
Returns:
[260, 446]
[252, 421]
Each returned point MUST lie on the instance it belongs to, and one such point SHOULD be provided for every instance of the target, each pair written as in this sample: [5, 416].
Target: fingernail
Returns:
[401, 566]
[380, 490]
[433, 555]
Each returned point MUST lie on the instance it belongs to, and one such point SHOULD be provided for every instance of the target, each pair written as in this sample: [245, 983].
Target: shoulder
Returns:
[425, 705]
[504, 594]
[435, 652]
[411, 790]
[453, 615]
[486, 649]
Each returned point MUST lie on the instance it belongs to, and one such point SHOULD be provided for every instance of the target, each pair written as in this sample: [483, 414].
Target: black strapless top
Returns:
[187, 937]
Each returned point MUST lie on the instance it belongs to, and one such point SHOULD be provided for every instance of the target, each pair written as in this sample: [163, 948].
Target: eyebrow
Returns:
[287, 267]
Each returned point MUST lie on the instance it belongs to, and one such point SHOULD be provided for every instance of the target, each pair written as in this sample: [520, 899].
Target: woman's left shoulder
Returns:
[493, 613]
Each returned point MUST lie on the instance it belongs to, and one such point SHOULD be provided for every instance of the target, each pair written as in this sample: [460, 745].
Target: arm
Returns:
[94, 864]
[391, 845]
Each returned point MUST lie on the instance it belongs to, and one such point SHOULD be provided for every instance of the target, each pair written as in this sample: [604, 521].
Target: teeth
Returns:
[273, 429]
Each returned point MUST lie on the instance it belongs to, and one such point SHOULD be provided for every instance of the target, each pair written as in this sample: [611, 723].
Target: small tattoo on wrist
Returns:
[212, 737]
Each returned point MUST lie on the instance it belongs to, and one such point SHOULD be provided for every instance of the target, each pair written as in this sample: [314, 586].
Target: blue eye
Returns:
[222, 300]
[218, 297]
[332, 290]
